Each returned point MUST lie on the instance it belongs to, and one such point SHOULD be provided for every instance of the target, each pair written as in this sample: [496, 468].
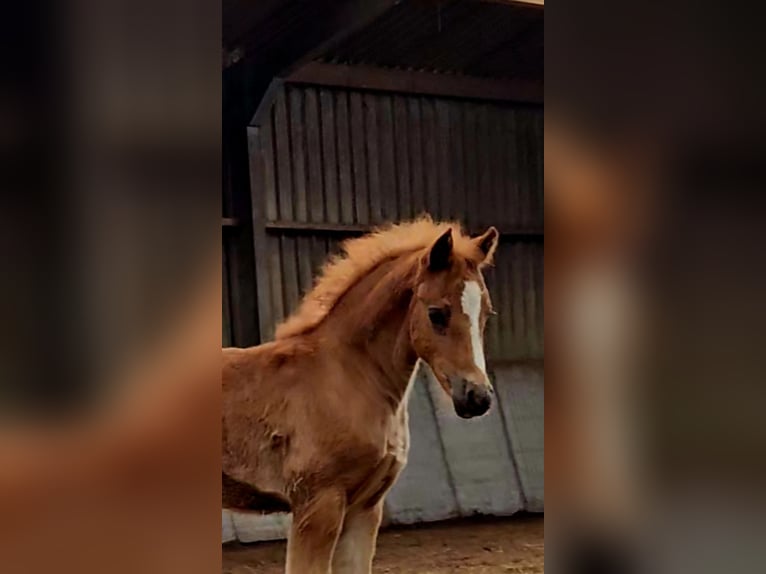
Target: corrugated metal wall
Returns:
[329, 163]
[337, 161]
[338, 156]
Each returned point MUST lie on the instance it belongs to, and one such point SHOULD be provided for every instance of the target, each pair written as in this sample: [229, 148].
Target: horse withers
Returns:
[315, 422]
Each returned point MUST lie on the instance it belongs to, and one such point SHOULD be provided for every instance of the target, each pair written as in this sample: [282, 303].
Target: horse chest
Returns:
[398, 439]
[379, 477]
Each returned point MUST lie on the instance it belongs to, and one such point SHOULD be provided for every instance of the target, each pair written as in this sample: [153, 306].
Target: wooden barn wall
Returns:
[326, 164]
[335, 162]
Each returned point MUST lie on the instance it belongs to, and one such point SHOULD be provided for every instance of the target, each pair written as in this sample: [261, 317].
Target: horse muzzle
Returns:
[470, 399]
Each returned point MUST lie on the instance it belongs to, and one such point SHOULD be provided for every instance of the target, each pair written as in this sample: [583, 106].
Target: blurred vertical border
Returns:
[654, 217]
[110, 143]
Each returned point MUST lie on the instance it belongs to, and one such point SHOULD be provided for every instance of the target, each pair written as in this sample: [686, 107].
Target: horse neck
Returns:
[372, 318]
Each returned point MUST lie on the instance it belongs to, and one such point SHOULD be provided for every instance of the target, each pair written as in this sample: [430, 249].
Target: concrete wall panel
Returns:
[251, 527]
[478, 457]
[521, 398]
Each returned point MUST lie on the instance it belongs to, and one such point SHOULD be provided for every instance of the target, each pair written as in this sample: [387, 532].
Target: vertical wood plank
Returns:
[260, 248]
[499, 193]
[387, 150]
[284, 169]
[522, 136]
[403, 145]
[415, 136]
[505, 302]
[269, 175]
[522, 268]
[298, 151]
[314, 153]
[519, 318]
[290, 273]
[430, 162]
[274, 253]
[359, 159]
[493, 323]
[457, 158]
[373, 158]
[533, 327]
[534, 167]
[345, 180]
[444, 160]
[539, 151]
[329, 155]
[470, 147]
[486, 213]
[511, 172]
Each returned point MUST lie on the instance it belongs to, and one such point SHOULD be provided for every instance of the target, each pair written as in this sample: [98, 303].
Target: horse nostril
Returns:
[470, 397]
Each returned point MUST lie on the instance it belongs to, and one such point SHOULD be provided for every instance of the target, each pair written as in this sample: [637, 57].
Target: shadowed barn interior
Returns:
[340, 116]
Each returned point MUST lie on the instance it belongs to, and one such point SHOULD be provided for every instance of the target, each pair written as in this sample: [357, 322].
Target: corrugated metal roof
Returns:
[456, 36]
[468, 37]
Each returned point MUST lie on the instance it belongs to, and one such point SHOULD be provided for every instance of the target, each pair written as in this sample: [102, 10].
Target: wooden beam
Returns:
[530, 3]
[411, 82]
[358, 229]
[302, 227]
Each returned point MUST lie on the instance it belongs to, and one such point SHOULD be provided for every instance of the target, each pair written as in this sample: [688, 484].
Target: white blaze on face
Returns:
[471, 302]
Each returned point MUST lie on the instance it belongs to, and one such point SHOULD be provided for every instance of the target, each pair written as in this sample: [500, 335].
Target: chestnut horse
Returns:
[315, 422]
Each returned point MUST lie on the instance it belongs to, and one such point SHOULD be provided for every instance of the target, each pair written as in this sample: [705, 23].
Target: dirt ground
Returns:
[467, 547]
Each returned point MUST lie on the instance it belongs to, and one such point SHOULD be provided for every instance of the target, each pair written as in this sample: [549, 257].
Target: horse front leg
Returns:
[356, 546]
[314, 533]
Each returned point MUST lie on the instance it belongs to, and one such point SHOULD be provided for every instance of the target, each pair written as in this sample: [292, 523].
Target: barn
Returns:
[342, 115]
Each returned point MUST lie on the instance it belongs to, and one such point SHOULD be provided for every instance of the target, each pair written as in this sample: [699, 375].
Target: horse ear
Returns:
[487, 243]
[440, 256]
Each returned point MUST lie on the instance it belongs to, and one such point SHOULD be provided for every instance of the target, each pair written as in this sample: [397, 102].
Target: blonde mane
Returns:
[358, 258]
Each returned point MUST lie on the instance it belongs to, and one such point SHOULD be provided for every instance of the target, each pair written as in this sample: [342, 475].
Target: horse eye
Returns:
[439, 317]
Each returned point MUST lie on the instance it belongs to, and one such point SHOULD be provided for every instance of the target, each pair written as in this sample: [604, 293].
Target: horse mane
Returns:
[359, 256]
